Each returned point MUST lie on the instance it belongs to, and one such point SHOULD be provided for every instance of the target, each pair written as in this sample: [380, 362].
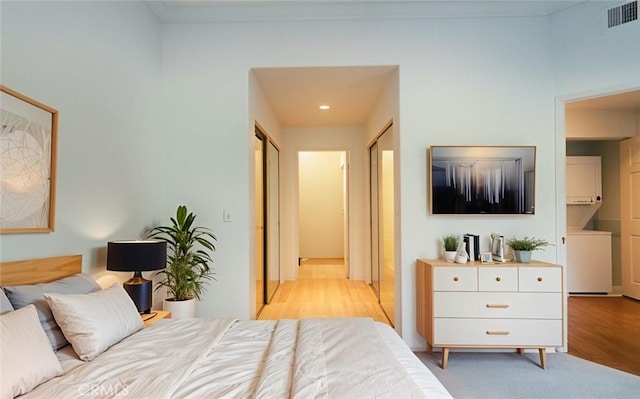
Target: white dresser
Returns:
[510, 305]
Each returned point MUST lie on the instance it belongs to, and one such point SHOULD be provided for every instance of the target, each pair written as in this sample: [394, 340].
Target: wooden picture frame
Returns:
[482, 180]
[28, 160]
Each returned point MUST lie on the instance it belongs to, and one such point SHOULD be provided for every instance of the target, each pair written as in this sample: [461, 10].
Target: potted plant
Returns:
[451, 243]
[522, 247]
[189, 261]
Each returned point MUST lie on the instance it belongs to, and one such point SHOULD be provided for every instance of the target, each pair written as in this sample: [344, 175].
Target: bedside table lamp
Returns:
[137, 256]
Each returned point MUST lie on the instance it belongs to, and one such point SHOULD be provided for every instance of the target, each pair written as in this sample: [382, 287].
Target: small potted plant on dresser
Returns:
[451, 243]
[188, 262]
[522, 247]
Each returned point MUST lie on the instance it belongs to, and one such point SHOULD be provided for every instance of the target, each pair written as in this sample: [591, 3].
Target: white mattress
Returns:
[219, 358]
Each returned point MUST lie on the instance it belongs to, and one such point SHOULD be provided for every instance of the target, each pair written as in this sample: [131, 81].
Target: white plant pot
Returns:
[450, 256]
[180, 309]
[523, 256]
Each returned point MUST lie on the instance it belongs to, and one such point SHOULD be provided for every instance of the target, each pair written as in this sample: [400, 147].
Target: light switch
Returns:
[226, 216]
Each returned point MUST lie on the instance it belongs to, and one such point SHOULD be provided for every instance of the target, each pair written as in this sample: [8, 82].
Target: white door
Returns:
[630, 216]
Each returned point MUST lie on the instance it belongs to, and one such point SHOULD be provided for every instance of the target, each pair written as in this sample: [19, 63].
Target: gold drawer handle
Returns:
[539, 279]
[498, 279]
[497, 332]
[455, 278]
[497, 305]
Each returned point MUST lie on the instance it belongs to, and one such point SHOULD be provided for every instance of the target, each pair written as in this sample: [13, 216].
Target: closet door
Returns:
[386, 223]
[382, 197]
[272, 271]
[375, 223]
[259, 211]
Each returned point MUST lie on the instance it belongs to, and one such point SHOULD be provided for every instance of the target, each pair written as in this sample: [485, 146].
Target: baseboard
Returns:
[616, 291]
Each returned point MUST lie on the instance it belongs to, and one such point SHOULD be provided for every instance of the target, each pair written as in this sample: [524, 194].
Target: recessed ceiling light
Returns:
[324, 107]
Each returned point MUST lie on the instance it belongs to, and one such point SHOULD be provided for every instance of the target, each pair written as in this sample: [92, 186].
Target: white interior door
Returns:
[630, 216]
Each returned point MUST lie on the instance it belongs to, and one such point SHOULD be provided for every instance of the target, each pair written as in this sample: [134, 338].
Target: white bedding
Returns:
[224, 358]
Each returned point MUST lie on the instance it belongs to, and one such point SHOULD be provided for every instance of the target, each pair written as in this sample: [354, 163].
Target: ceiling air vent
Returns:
[622, 14]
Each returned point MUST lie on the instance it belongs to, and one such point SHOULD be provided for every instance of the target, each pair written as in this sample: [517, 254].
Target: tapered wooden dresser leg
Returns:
[445, 357]
[543, 358]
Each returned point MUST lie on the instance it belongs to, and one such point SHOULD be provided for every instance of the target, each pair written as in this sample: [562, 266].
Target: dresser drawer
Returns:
[497, 278]
[497, 332]
[525, 305]
[453, 278]
[540, 279]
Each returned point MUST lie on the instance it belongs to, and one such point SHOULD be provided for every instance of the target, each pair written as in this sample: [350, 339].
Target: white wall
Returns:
[98, 64]
[320, 200]
[587, 58]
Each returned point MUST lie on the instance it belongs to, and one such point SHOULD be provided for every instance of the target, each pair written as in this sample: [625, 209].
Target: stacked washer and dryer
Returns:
[588, 251]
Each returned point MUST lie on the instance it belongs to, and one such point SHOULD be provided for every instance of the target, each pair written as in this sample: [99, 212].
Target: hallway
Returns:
[322, 291]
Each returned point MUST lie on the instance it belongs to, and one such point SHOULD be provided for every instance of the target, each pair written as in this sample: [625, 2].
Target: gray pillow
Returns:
[23, 295]
[5, 305]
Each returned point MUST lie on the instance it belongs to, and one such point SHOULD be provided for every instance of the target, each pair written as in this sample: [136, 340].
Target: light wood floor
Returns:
[606, 330]
[323, 291]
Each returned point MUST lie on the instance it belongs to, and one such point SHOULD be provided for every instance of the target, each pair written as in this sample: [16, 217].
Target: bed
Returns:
[206, 358]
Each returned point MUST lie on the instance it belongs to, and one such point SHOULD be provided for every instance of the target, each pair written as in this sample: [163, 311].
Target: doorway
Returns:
[595, 127]
[594, 130]
[323, 222]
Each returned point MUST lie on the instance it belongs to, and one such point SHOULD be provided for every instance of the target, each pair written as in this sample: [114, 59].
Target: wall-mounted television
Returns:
[482, 179]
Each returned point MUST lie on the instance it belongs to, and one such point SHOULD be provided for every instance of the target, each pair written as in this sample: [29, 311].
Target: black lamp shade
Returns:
[137, 257]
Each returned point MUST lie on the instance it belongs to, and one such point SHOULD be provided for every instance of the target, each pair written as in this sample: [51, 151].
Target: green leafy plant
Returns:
[527, 244]
[189, 259]
[451, 242]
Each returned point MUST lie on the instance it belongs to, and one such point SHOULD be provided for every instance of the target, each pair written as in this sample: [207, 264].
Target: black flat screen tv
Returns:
[482, 180]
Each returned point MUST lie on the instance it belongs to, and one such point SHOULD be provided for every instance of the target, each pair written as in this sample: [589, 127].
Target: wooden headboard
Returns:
[43, 270]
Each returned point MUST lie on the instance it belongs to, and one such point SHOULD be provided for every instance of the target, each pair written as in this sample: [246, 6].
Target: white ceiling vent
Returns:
[622, 14]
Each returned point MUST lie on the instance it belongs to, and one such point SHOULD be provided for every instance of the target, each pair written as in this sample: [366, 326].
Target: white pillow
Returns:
[93, 322]
[23, 295]
[27, 359]
[5, 304]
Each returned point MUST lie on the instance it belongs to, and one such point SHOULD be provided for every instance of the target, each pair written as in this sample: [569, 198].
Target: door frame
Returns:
[259, 135]
[561, 185]
[346, 228]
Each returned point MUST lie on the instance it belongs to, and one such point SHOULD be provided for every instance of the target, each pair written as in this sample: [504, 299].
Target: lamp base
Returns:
[140, 290]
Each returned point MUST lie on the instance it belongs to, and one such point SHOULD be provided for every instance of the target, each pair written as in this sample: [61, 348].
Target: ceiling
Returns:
[296, 93]
[627, 101]
[279, 10]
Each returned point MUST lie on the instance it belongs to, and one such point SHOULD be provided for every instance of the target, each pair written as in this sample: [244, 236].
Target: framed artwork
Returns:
[28, 152]
[482, 180]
